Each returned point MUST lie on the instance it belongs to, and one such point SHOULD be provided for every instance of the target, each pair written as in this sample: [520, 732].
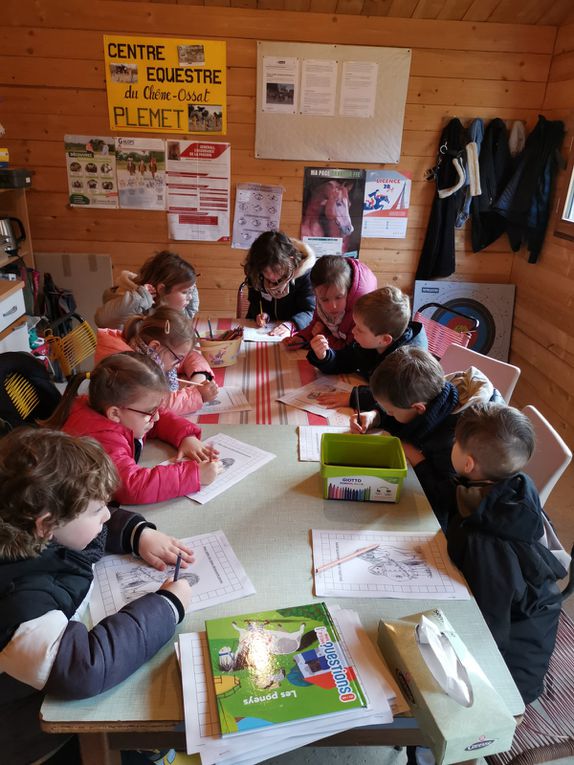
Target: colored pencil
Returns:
[177, 567]
[210, 329]
[357, 404]
[345, 558]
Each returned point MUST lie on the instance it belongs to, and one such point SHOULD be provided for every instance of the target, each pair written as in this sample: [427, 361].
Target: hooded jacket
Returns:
[45, 648]
[139, 485]
[298, 305]
[363, 281]
[512, 575]
[183, 401]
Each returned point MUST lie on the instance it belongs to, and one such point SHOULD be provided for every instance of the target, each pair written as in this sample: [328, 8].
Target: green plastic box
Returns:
[362, 468]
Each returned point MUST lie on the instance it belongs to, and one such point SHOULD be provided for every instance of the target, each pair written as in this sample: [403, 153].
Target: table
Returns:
[267, 518]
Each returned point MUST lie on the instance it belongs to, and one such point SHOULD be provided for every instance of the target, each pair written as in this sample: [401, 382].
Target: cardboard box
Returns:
[455, 732]
[362, 468]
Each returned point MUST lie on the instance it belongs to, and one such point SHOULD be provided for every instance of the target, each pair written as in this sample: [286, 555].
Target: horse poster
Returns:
[333, 208]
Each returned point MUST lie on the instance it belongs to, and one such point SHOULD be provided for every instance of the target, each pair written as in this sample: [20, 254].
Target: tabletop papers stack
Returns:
[258, 685]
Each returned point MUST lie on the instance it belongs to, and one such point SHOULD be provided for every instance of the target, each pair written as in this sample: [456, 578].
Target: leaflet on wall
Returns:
[257, 209]
[140, 165]
[325, 245]
[280, 84]
[386, 204]
[91, 166]
[198, 182]
[318, 87]
[358, 89]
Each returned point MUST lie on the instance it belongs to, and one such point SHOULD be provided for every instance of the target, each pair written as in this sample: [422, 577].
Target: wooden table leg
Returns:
[96, 751]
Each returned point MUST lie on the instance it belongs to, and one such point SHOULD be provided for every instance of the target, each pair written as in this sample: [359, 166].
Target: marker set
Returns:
[348, 493]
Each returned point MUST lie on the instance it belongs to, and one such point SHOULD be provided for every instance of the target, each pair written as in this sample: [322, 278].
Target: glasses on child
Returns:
[149, 416]
[177, 359]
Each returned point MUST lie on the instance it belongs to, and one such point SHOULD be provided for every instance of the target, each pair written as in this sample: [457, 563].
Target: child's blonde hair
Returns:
[500, 438]
[48, 471]
[166, 268]
[407, 376]
[165, 325]
[332, 270]
[118, 380]
[385, 311]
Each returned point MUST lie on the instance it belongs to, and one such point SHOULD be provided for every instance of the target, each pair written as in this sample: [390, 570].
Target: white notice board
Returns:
[332, 103]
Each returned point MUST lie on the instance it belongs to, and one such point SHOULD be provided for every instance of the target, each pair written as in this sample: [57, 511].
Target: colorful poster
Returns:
[198, 183]
[166, 85]
[140, 167]
[333, 206]
[257, 209]
[386, 204]
[91, 166]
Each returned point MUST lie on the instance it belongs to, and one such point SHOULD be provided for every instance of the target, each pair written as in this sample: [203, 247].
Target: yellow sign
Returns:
[166, 85]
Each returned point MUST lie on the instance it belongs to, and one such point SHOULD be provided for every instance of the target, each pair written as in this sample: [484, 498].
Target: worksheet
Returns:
[227, 400]
[306, 398]
[406, 564]
[310, 440]
[216, 576]
[261, 334]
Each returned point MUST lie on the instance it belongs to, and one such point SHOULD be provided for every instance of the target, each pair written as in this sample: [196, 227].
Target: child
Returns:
[164, 279]
[167, 337]
[54, 525]
[416, 403]
[277, 271]
[338, 283]
[494, 537]
[123, 406]
[381, 326]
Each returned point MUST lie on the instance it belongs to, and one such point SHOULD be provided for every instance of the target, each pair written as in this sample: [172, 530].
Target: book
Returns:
[276, 667]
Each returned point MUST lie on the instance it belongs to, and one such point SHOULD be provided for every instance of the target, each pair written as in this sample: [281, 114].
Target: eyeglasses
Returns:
[279, 282]
[148, 415]
[177, 359]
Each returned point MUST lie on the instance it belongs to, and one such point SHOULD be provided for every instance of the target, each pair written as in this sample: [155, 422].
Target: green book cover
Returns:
[282, 666]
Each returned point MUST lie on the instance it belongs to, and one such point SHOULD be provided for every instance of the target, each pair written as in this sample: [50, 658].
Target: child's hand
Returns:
[208, 390]
[333, 400]
[413, 455]
[159, 549]
[318, 328]
[320, 346]
[368, 420]
[262, 319]
[208, 472]
[192, 448]
[282, 330]
[151, 289]
[181, 589]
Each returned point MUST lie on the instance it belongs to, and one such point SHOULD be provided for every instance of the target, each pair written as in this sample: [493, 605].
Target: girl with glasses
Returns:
[124, 405]
[167, 337]
[277, 272]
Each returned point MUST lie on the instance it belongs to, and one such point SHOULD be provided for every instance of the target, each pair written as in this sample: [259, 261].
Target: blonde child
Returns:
[166, 336]
[164, 279]
[123, 406]
[338, 283]
[54, 525]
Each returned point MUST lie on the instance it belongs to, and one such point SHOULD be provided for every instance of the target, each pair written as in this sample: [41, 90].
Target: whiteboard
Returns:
[336, 138]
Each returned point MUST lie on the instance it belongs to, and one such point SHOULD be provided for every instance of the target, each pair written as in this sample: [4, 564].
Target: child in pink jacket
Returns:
[123, 406]
[167, 337]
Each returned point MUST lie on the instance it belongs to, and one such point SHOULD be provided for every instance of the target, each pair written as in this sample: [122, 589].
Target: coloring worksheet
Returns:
[239, 460]
[310, 440]
[261, 334]
[406, 564]
[306, 398]
[216, 576]
[227, 400]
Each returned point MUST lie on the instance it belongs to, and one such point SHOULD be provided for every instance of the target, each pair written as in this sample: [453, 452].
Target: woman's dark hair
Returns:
[273, 249]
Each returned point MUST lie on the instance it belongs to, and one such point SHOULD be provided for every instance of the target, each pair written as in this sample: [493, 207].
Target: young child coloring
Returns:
[494, 537]
[381, 326]
[277, 272]
[338, 283]
[166, 336]
[54, 525]
[164, 279]
[124, 405]
[416, 403]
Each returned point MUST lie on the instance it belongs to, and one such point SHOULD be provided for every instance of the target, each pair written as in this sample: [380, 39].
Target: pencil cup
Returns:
[220, 353]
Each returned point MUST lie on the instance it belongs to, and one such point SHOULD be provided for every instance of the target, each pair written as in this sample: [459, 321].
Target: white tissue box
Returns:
[479, 723]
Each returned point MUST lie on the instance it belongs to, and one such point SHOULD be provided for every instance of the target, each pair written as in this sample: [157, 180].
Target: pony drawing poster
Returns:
[333, 206]
[386, 204]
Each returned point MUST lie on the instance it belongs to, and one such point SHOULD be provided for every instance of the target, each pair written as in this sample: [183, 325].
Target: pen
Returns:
[357, 404]
[345, 558]
[177, 567]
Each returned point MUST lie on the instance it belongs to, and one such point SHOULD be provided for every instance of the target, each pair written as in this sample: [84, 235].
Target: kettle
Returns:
[9, 240]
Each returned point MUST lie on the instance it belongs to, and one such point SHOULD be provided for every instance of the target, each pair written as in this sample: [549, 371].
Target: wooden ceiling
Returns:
[552, 12]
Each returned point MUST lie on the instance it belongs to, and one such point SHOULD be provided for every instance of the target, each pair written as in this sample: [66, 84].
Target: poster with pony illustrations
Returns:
[333, 207]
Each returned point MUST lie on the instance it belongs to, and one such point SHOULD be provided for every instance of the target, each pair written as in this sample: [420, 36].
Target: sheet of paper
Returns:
[280, 84]
[227, 400]
[325, 245]
[310, 440]
[257, 209]
[239, 460]
[318, 87]
[306, 398]
[140, 165]
[386, 204]
[261, 334]
[405, 565]
[358, 89]
[91, 166]
[216, 576]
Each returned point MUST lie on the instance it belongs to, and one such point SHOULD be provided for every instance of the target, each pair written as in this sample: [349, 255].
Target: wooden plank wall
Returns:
[543, 334]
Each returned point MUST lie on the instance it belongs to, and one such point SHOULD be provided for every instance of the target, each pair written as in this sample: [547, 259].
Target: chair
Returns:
[70, 349]
[502, 375]
[551, 456]
[439, 335]
[242, 306]
[26, 390]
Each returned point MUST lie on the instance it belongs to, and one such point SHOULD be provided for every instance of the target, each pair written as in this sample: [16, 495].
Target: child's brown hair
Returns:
[48, 471]
[166, 268]
[165, 325]
[407, 376]
[385, 311]
[500, 439]
[117, 380]
[332, 270]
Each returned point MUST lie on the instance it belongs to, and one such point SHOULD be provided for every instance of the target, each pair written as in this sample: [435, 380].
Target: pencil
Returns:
[345, 558]
[177, 567]
[357, 404]
[210, 329]
[188, 382]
